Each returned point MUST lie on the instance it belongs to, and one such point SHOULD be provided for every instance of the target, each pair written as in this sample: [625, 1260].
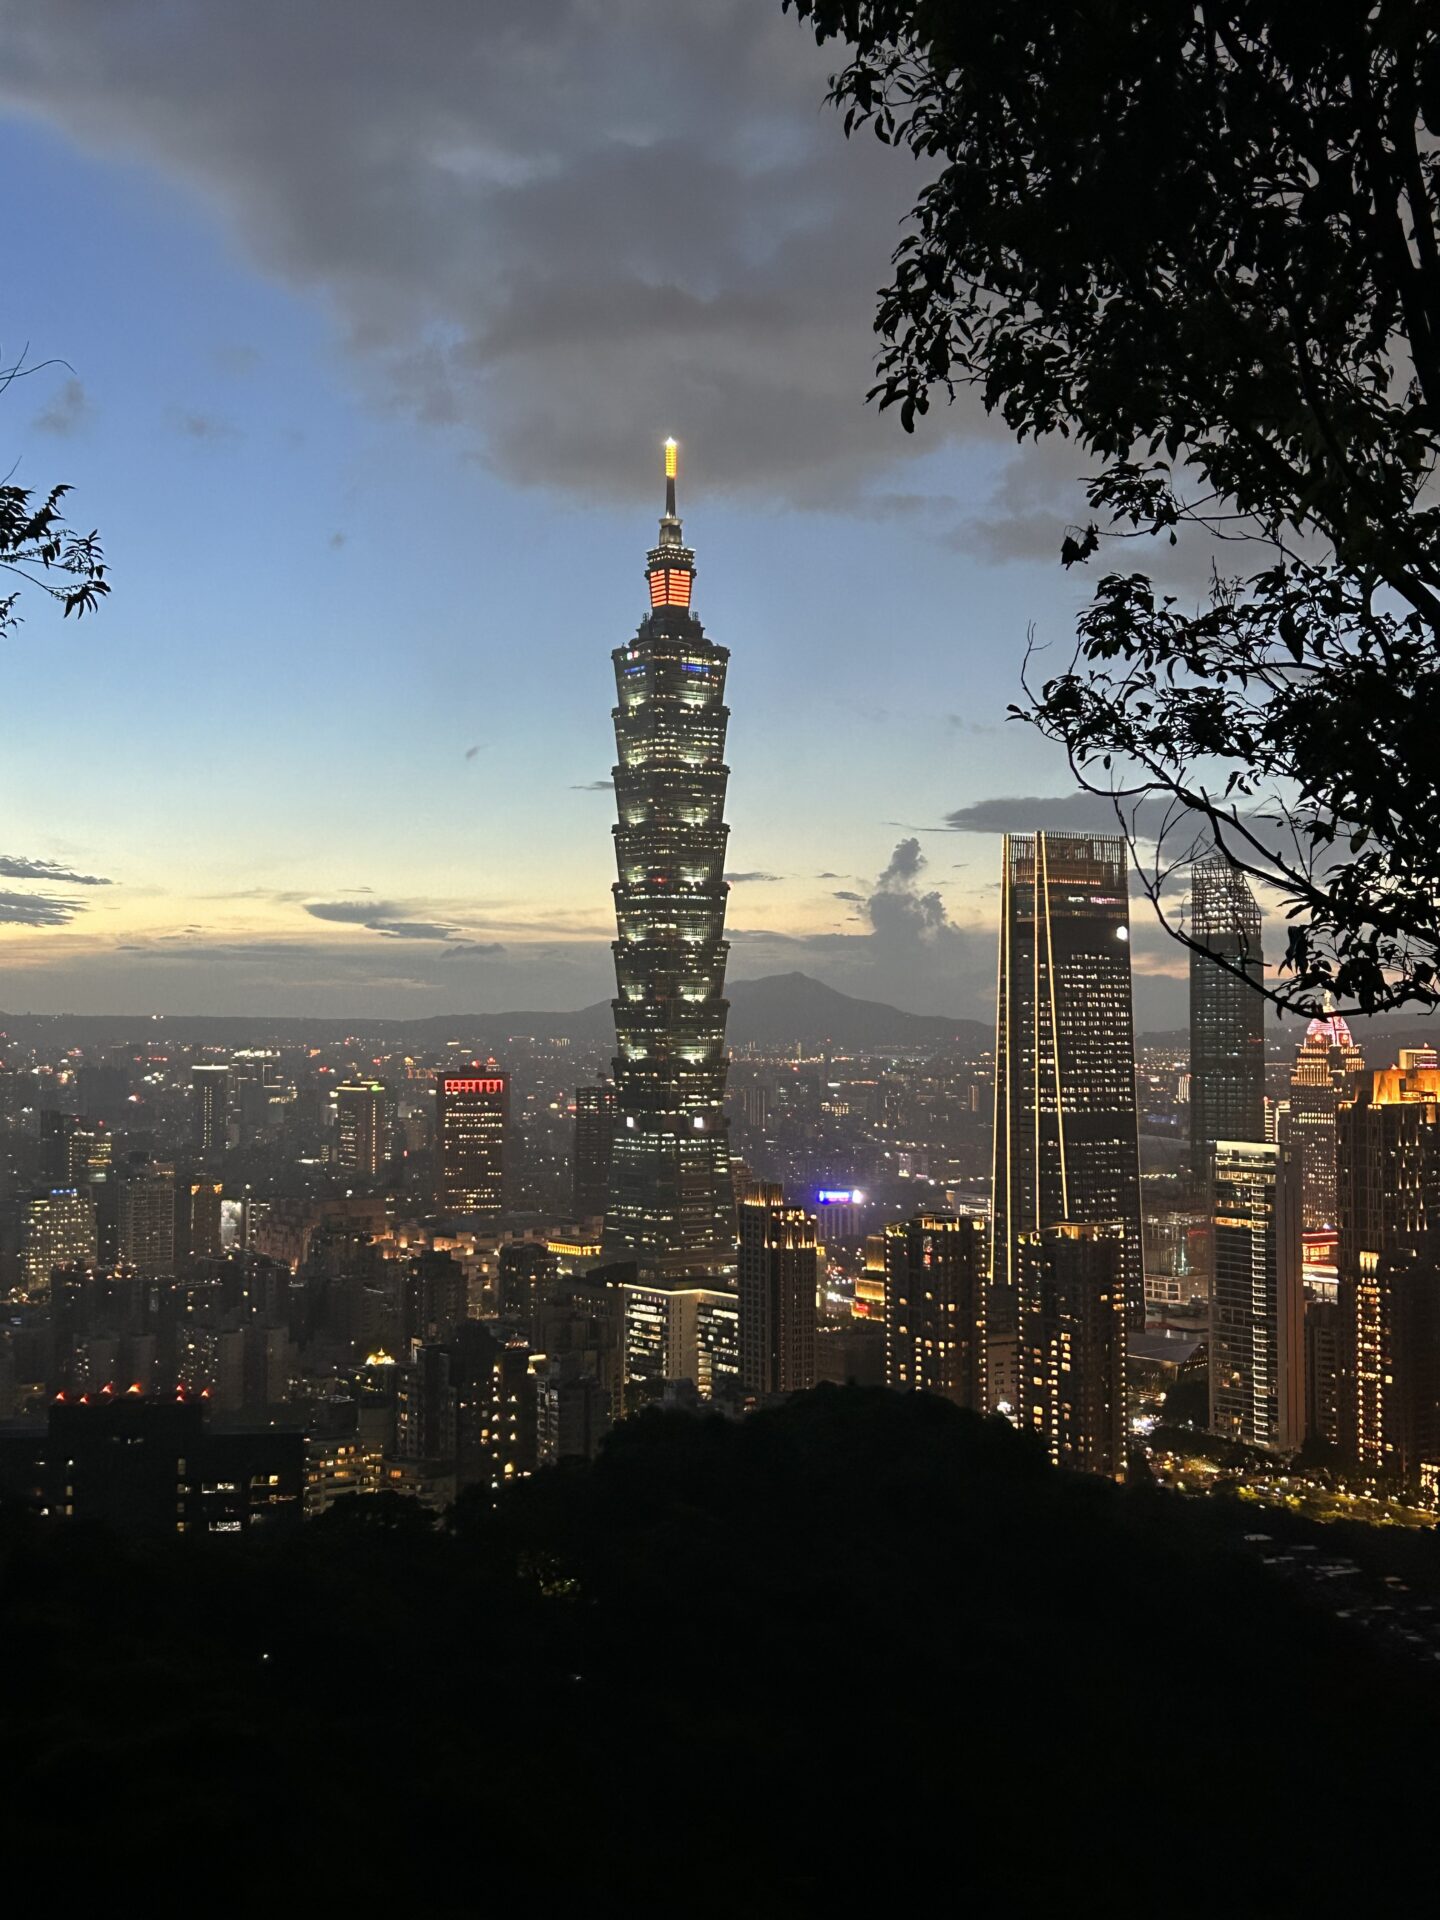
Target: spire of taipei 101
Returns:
[670, 1205]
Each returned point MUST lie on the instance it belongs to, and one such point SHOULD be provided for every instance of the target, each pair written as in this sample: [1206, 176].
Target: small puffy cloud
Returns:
[67, 412]
[905, 863]
[207, 428]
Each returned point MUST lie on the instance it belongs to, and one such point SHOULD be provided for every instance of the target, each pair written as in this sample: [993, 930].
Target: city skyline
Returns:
[222, 419]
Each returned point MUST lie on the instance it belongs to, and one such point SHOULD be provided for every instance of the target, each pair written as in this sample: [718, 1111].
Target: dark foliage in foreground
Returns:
[1204, 241]
[857, 1648]
[39, 548]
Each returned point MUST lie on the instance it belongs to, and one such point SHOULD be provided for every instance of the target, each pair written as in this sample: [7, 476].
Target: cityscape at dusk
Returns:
[365, 517]
[719, 1096]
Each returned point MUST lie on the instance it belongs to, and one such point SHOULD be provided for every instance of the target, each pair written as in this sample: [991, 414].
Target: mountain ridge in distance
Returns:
[774, 1010]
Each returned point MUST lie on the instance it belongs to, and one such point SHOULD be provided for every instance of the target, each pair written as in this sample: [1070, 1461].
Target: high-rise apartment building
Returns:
[147, 1219]
[594, 1139]
[57, 1229]
[210, 1093]
[360, 1128]
[670, 1203]
[198, 1218]
[61, 1151]
[1227, 1015]
[1257, 1297]
[1389, 1274]
[1326, 1072]
[935, 1307]
[1071, 1362]
[473, 1121]
[779, 1279]
[678, 1331]
[1066, 1143]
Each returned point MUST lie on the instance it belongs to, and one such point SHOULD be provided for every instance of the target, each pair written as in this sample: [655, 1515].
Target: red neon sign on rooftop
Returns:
[474, 1086]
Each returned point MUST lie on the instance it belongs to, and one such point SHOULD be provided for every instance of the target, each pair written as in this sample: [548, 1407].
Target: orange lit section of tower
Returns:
[670, 566]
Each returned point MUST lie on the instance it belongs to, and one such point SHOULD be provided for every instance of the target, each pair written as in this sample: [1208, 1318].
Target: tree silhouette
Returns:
[39, 548]
[1203, 241]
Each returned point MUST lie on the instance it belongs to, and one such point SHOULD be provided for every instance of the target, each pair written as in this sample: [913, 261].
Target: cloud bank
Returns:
[561, 228]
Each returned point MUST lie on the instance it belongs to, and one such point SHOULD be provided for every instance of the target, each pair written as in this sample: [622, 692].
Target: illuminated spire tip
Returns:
[672, 467]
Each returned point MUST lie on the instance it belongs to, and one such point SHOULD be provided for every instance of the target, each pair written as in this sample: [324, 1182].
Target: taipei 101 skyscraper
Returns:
[670, 1203]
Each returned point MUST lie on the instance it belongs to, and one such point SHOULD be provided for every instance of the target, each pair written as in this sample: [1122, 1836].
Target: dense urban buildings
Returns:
[1065, 1146]
[671, 1207]
[1071, 1360]
[1327, 1067]
[1257, 1301]
[472, 1122]
[935, 1330]
[1389, 1274]
[1227, 1024]
[360, 1127]
[779, 1280]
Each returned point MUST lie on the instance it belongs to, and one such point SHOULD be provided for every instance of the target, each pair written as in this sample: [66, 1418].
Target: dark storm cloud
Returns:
[66, 413]
[563, 229]
[18, 866]
[36, 910]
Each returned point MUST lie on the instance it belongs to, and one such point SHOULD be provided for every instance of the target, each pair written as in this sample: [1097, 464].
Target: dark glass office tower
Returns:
[670, 1205]
[1065, 1136]
[1227, 1015]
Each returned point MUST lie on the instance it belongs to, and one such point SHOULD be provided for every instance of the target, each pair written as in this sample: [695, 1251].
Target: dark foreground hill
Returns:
[862, 1651]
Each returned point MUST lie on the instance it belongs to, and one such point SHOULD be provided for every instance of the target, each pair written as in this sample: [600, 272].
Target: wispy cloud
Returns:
[37, 910]
[19, 866]
[67, 413]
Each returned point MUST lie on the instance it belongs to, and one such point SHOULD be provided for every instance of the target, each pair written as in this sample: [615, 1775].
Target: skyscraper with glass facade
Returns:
[670, 1205]
[1066, 1144]
[1257, 1339]
[1227, 1015]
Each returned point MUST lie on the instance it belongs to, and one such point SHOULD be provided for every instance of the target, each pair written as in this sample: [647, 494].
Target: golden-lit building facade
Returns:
[935, 1307]
[1071, 1359]
[1257, 1297]
[1389, 1274]
[1327, 1066]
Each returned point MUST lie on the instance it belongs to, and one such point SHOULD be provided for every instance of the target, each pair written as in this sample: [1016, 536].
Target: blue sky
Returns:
[374, 458]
